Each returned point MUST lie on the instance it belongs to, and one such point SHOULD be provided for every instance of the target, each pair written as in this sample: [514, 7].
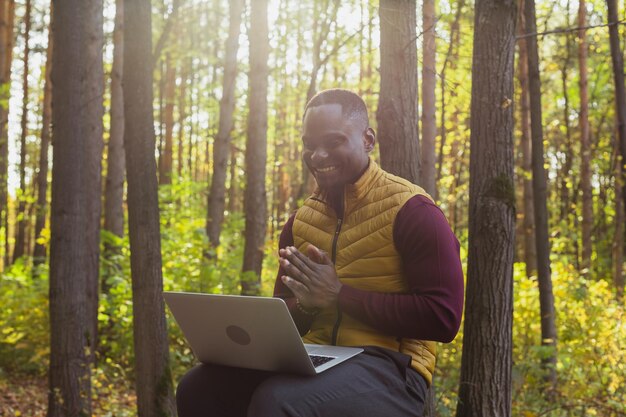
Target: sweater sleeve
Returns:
[303, 321]
[432, 266]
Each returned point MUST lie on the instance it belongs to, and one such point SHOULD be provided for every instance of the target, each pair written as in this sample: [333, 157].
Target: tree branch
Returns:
[566, 30]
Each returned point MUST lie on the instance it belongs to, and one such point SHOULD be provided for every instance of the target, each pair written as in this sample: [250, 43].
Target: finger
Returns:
[318, 255]
[294, 271]
[300, 261]
[298, 289]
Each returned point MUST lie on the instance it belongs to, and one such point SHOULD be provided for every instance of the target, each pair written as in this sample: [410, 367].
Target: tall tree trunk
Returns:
[528, 222]
[485, 386]
[233, 189]
[546, 296]
[618, 236]
[428, 173]
[620, 91]
[39, 255]
[221, 145]
[7, 22]
[255, 200]
[114, 187]
[77, 110]
[154, 385]
[21, 215]
[397, 115]
[585, 142]
[165, 168]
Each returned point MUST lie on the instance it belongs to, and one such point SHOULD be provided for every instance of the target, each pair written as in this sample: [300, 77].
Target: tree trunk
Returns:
[21, 215]
[618, 236]
[485, 386]
[39, 255]
[114, 187]
[7, 22]
[546, 297]
[77, 74]
[155, 395]
[397, 115]
[585, 142]
[528, 222]
[221, 145]
[255, 200]
[428, 174]
[620, 91]
[165, 168]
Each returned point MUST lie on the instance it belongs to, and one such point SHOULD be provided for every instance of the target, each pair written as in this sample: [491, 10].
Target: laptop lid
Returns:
[246, 332]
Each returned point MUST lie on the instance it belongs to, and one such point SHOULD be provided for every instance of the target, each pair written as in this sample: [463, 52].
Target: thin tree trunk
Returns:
[39, 254]
[7, 22]
[546, 296]
[620, 91]
[114, 186]
[255, 200]
[221, 145]
[397, 115]
[154, 386]
[618, 236]
[485, 386]
[428, 174]
[77, 110]
[585, 142]
[21, 216]
[528, 223]
[233, 189]
[165, 169]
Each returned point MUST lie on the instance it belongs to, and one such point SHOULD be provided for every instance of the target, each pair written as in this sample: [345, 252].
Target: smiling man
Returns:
[368, 260]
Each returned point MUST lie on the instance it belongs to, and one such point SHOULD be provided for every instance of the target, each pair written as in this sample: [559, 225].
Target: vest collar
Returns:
[360, 188]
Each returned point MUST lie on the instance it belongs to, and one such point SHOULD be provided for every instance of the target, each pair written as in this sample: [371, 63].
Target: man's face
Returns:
[335, 147]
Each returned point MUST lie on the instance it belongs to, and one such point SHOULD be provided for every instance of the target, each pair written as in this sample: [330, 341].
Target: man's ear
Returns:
[369, 139]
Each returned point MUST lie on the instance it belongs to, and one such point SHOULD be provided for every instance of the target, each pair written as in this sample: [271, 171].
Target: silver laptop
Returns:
[249, 332]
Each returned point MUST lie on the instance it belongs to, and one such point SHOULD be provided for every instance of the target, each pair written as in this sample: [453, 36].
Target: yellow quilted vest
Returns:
[365, 257]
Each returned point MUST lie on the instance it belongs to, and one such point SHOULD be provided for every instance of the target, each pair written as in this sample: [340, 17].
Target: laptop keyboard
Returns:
[320, 360]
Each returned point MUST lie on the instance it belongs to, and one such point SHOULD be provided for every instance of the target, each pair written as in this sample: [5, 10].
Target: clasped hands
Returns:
[312, 278]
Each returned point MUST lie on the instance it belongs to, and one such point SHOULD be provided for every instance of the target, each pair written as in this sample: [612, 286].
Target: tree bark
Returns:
[528, 222]
[485, 386]
[397, 114]
[618, 235]
[114, 186]
[428, 174]
[39, 254]
[155, 395]
[255, 199]
[21, 215]
[165, 167]
[7, 22]
[617, 59]
[546, 296]
[77, 110]
[221, 145]
[585, 141]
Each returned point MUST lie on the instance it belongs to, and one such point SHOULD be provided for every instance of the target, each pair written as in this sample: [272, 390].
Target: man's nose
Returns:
[319, 155]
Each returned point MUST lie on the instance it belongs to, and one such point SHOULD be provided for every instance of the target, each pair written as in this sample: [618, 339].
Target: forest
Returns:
[156, 145]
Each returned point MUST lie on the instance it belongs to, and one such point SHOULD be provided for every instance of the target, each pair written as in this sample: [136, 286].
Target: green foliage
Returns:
[591, 350]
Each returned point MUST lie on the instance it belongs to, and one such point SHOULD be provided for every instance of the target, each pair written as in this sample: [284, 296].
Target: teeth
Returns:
[327, 169]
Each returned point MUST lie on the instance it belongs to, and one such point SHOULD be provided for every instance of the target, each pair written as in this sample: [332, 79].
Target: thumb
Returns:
[318, 255]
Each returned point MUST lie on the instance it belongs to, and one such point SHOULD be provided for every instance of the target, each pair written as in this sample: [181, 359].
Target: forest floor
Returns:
[26, 396]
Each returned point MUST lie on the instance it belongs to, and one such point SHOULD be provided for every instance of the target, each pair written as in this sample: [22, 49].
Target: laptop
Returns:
[249, 332]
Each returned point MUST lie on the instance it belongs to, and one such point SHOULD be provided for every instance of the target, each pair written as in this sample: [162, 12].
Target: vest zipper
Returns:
[334, 258]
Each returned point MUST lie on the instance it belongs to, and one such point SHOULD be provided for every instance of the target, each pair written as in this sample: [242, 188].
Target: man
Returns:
[368, 260]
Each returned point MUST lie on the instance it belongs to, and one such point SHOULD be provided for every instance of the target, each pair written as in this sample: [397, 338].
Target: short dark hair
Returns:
[352, 105]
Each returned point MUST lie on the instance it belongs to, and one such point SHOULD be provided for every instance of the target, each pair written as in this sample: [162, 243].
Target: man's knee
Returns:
[272, 398]
[190, 391]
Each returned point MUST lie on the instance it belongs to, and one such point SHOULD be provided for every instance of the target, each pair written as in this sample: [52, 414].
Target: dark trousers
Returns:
[377, 382]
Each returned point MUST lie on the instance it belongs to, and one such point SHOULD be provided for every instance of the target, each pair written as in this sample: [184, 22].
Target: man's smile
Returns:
[326, 169]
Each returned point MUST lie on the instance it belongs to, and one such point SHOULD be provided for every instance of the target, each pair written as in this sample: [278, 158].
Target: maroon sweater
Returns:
[432, 267]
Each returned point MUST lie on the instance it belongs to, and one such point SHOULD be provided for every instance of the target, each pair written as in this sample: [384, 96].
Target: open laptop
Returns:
[249, 332]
